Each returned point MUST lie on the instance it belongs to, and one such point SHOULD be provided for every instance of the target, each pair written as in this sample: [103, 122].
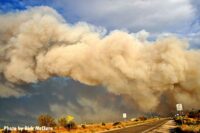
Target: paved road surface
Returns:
[144, 128]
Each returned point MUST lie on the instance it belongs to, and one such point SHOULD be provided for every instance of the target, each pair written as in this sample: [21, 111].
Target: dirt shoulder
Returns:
[165, 128]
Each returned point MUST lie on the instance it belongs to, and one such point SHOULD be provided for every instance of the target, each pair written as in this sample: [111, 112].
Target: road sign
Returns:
[179, 107]
[124, 115]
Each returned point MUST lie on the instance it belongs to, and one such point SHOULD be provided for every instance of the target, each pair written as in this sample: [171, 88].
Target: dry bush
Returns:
[116, 123]
[194, 114]
[103, 124]
[83, 126]
[190, 128]
[71, 125]
[62, 122]
[142, 118]
[46, 120]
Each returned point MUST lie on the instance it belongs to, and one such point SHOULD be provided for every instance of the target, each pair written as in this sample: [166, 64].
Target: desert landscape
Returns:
[113, 66]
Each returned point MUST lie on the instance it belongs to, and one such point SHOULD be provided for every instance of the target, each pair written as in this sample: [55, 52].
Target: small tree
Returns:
[67, 124]
[62, 122]
[46, 120]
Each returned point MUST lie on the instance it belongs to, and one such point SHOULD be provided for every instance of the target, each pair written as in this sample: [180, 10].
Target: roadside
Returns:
[168, 127]
[136, 126]
[139, 128]
[128, 124]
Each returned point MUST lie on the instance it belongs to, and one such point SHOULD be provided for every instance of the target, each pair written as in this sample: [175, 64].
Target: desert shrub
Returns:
[71, 125]
[6, 131]
[103, 124]
[46, 120]
[142, 118]
[68, 125]
[176, 130]
[198, 122]
[116, 123]
[190, 121]
[83, 126]
[190, 128]
[178, 121]
[62, 122]
[194, 114]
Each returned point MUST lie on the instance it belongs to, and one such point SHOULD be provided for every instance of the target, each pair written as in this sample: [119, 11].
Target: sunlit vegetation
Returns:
[46, 120]
[65, 125]
[190, 122]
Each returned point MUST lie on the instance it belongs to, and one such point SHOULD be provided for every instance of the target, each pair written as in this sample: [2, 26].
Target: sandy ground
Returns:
[165, 128]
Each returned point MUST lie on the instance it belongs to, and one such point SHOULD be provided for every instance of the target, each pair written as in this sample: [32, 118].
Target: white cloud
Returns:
[151, 15]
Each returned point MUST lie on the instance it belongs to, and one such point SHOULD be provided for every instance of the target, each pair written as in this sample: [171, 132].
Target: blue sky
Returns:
[157, 17]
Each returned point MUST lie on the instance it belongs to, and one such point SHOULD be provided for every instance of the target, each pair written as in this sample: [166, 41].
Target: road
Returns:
[144, 128]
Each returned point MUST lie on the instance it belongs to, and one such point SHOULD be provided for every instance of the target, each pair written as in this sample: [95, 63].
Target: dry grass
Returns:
[190, 125]
[93, 128]
[190, 128]
[99, 127]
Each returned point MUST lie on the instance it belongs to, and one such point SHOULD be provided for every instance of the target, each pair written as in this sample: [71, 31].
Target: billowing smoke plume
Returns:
[37, 44]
